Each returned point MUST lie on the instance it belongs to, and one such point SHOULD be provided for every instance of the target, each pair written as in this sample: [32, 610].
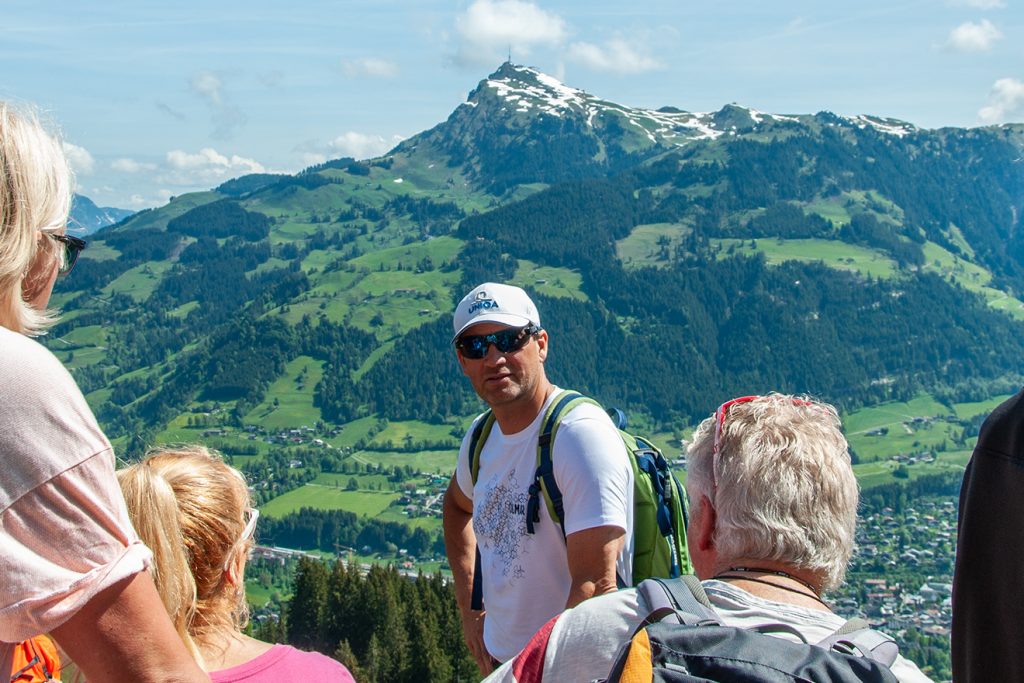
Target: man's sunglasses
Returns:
[511, 339]
[73, 246]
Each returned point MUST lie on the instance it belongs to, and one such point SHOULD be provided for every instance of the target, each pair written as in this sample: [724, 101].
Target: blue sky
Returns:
[157, 98]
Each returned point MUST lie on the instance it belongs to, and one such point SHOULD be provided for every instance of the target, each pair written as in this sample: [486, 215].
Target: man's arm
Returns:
[460, 546]
[592, 554]
[124, 634]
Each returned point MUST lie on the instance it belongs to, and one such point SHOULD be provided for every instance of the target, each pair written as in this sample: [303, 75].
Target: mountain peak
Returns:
[526, 89]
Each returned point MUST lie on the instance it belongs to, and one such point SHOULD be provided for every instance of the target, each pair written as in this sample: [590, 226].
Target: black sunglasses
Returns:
[475, 346]
[73, 246]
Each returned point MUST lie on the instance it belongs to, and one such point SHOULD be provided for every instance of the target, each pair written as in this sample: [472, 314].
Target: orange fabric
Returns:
[638, 667]
[33, 670]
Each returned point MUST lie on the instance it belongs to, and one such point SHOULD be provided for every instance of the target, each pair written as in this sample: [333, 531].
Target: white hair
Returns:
[35, 195]
[782, 485]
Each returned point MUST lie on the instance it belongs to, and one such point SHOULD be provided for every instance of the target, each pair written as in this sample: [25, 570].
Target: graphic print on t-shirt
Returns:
[500, 522]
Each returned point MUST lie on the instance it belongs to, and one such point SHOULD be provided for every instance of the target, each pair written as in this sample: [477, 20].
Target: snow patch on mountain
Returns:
[527, 90]
[883, 125]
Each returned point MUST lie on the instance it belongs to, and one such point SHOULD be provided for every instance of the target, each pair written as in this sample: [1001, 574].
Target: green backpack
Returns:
[659, 502]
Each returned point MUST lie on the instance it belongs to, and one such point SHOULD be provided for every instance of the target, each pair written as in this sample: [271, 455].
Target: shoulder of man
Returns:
[1002, 433]
[588, 411]
[586, 422]
[472, 427]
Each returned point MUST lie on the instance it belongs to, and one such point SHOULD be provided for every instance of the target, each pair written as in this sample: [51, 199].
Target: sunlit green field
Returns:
[369, 503]
[294, 392]
[400, 432]
[903, 435]
[880, 473]
[969, 410]
[549, 280]
[891, 413]
[832, 253]
[423, 461]
[642, 248]
[138, 282]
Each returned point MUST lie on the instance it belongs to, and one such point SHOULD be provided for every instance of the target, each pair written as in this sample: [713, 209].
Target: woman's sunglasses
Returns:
[73, 246]
[247, 533]
[474, 346]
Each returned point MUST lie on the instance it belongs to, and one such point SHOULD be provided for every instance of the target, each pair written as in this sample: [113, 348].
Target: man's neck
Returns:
[774, 581]
[516, 416]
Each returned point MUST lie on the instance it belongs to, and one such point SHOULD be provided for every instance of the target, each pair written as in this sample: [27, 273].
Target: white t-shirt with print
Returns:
[526, 577]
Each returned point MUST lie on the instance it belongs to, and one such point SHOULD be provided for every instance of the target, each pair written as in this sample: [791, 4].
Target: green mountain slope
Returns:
[678, 258]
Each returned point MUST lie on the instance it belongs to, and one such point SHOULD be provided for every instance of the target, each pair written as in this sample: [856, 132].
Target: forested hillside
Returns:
[673, 306]
[301, 323]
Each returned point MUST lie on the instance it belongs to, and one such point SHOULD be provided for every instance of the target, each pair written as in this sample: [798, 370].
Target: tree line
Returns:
[385, 627]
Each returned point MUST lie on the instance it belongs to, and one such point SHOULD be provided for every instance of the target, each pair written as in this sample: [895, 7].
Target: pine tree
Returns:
[305, 613]
[342, 613]
[376, 661]
[344, 654]
[427, 661]
[270, 631]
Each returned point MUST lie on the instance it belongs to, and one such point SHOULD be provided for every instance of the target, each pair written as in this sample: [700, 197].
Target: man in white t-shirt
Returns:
[527, 578]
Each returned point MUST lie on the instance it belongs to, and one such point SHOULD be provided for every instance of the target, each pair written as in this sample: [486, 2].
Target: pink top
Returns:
[284, 664]
[64, 529]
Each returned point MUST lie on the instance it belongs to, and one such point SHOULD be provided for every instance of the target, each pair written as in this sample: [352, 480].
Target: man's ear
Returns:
[708, 522]
[542, 343]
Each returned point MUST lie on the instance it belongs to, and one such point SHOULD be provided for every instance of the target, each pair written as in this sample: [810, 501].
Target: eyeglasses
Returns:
[73, 246]
[720, 415]
[247, 533]
[250, 526]
[509, 340]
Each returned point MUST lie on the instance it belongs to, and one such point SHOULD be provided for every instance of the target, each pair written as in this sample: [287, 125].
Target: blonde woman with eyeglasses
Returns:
[195, 513]
[70, 562]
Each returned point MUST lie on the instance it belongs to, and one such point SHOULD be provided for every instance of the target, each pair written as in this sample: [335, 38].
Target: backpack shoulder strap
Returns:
[481, 430]
[856, 637]
[682, 598]
[544, 479]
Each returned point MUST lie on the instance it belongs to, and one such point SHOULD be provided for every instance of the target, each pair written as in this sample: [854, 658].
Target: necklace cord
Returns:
[752, 570]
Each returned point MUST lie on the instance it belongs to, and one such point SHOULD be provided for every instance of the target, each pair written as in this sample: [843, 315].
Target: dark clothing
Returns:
[988, 602]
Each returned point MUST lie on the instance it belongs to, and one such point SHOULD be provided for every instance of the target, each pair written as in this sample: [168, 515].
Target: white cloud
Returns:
[137, 201]
[971, 37]
[616, 56]
[206, 167]
[226, 117]
[79, 158]
[125, 165]
[980, 4]
[208, 85]
[369, 67]
[490, 27]
[1004, 101]
[360, 145]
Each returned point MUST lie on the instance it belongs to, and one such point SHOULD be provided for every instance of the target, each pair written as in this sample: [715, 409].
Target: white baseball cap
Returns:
[495, 303]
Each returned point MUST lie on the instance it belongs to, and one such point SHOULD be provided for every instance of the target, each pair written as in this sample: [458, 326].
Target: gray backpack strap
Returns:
[681, 599]
[856, 637]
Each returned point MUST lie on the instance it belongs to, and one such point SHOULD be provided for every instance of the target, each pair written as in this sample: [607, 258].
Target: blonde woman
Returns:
[70, 562]
[194, 512]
